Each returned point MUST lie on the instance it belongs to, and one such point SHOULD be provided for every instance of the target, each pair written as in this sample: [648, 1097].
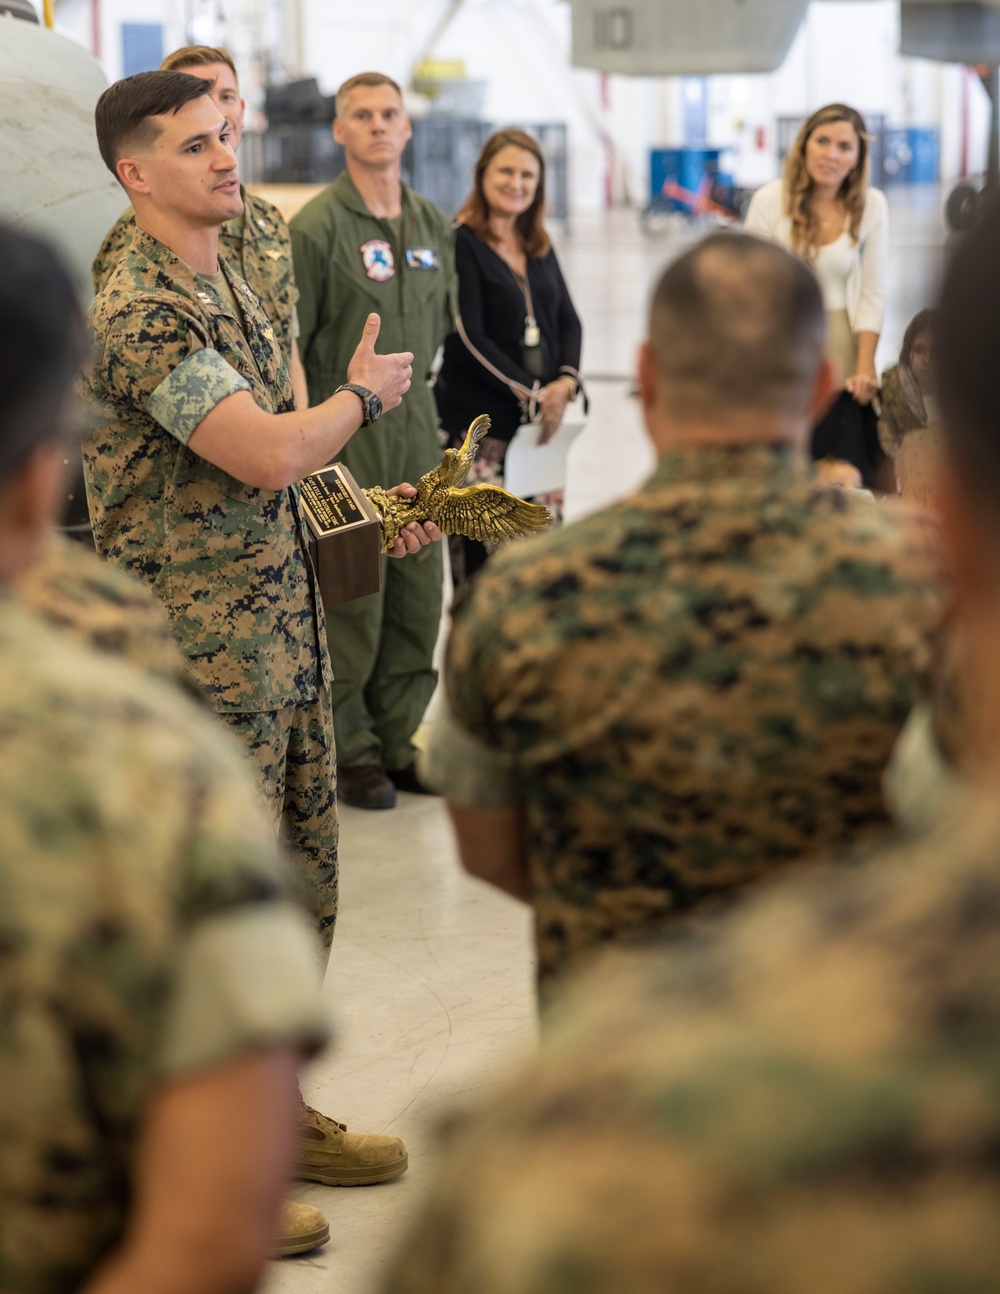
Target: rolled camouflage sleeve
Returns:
[470, 662]
[247, 978]
[192, 391]
[463, 758]
[245, 971]
[464, 767]
[155, 356]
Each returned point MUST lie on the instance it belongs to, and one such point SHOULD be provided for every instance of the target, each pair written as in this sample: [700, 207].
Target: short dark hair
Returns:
[125, 111]
[738, 323]
[366, 80]
[966, 345]
[42, 347]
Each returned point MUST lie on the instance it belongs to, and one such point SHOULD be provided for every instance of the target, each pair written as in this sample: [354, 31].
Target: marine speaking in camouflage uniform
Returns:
[369, 242]
[191, 463]
[138, 883]
[805, 1099]
[702, 683]
[256, 243]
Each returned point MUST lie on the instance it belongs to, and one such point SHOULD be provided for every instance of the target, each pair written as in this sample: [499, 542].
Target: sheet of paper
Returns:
[530, 468]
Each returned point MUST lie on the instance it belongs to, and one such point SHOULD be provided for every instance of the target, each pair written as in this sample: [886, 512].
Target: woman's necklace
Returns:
[830, 220]
[508, 247]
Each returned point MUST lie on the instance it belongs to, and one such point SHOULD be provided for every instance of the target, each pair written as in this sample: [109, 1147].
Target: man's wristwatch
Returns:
[370, 402]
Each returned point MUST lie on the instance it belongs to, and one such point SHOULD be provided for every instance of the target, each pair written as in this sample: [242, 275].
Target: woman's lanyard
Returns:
[532, 355]
[532, 332]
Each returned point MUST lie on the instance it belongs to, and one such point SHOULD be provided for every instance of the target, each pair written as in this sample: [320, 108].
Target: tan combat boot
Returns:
[328, 1153]
[300, 1228]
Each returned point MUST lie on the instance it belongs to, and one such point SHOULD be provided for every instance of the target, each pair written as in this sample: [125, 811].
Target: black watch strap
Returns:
[370, 402]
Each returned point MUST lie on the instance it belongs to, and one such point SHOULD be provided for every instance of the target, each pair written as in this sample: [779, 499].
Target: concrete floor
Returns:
[430, 981]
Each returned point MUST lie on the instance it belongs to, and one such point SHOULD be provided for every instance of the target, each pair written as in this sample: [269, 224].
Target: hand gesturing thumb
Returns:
[369, 334]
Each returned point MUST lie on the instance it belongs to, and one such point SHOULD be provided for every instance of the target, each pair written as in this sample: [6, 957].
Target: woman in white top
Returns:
[824, 210]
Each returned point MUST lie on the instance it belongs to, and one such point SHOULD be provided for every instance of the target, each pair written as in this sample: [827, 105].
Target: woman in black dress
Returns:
[516, 352]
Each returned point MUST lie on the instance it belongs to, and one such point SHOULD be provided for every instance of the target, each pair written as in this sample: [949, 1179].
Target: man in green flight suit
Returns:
[256, 241]
[368, 242]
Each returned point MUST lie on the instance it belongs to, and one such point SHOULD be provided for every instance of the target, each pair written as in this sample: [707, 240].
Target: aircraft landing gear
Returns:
[965, 202]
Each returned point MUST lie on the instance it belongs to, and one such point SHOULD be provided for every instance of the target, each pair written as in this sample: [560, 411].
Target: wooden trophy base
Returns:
[345, 535]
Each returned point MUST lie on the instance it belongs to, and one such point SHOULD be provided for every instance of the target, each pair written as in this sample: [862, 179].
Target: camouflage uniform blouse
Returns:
[147, 931]
[258, 246]
[229, 562]
[807, 1102]
[100, 606]
[688, 689]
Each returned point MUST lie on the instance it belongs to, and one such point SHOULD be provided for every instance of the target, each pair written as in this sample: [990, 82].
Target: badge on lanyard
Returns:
[379, 262]
[423, 258]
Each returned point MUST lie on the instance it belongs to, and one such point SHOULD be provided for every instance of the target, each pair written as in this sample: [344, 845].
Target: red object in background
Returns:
[700, 203]
[760, 138]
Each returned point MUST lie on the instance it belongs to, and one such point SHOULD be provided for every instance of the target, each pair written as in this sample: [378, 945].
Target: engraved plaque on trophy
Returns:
[345, 535]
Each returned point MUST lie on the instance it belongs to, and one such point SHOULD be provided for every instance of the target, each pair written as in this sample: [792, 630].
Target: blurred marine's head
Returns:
[967, 343]
[42, 347]
[737, 328]
[215, 64]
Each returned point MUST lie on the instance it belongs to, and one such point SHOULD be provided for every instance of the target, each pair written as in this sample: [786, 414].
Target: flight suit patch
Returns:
[379, 262]
[423, 258]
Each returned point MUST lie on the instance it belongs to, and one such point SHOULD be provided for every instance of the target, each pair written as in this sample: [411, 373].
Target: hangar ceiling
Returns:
[954, 33]
[702, 37]
[684, 37]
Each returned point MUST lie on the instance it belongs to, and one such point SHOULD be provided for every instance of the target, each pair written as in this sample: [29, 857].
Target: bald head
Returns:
[737, 324]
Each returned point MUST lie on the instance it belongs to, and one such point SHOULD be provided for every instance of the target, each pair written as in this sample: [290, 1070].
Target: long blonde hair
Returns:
[798, 186]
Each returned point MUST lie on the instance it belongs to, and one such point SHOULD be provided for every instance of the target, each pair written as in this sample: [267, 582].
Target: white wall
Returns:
[74, 18]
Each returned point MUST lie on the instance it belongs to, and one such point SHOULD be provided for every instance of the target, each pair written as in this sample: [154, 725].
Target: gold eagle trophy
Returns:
[350, 528]
[483, 512]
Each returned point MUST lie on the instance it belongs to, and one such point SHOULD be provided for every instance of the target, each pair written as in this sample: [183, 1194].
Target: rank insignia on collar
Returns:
[378, 260]
[274, 254]
[263, 224]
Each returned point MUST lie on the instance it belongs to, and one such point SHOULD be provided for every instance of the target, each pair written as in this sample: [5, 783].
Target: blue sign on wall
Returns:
[912, 155]
[142, 47]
